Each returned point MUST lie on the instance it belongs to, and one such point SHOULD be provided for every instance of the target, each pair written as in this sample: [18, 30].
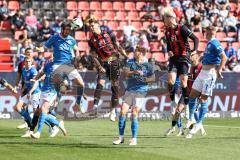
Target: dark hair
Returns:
[65, 24]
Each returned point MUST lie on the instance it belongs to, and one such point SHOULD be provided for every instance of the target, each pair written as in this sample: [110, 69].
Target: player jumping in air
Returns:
[214, 59]
[179, 51]
[105, 49]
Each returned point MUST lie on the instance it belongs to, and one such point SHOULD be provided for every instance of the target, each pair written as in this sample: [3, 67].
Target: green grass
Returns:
[93, 140]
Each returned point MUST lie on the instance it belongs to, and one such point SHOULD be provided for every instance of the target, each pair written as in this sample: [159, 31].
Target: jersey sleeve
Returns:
[185, 31]
[218, 47]
[34, 73]
[49, 42]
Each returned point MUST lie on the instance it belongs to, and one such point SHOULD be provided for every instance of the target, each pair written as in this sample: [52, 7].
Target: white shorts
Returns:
[205, 81]
[49, 97]
[34, 101]
[134, 98]
[72, 72]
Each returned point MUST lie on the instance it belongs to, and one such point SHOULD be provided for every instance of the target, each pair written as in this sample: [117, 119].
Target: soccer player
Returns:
[48, 97]
[139, 73]
[28, 98]
[214, 60]
[64, 46]
[179, 51]
[105, 49]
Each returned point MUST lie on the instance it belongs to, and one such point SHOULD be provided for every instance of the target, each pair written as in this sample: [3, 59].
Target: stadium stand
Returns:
[116, 13]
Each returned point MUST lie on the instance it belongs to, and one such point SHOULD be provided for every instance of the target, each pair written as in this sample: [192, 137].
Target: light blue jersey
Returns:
[137, 83]
[62, 48]
[26, 76]
[47, 84]
[212, 54]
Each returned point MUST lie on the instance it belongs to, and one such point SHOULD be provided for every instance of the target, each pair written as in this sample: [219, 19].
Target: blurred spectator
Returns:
[17, 21]
[202, 9]
[148, 7]
[45, 32]
[223, 12]
[214, 10]
[230, 53]
[27, 43]
[127, 30]
[4, 13]
[155, 65]
[175, 3]
[31, 23]
[143, 42]
[153, 32]
[195, 22]
[56, 26]
[205, 23]
[132, 42]
[230, 24]
[190, 12]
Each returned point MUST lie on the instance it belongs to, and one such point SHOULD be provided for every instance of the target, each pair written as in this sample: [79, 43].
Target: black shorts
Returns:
[179, 64]
[112, 71]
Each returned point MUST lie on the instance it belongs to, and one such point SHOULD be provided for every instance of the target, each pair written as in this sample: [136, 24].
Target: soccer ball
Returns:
[76, 23]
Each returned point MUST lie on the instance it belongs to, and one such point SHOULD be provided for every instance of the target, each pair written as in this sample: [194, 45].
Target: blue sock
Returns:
[121, 124]
[26, 116]
[179, 122]
[41, 121]
[52, 120]
[192, 107]
[196, 116]
[52, 112]
[203, 110]
[134, 127]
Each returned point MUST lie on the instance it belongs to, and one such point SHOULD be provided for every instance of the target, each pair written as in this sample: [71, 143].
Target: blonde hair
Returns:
[168, 12]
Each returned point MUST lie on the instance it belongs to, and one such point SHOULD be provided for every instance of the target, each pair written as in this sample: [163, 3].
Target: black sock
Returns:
[97, 93]
[185, 93]
[34, 121]
[115, 92]
[174, 123]
[171, 90]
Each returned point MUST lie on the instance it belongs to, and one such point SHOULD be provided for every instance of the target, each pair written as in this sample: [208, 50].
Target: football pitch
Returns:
[92, 140]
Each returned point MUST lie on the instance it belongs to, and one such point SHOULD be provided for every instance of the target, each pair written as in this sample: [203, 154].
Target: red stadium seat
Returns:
[121, 24]
[137, 25]
[118, 5]
[146, 24]
[80, 35]
[133, 15]
[109, 15]
[233, 7]
[85, 14]
[236, 45]
[158, 56]
[72, 5]
[113, 25]
[13, 5]
[220, 36]
[83, 5]
[82, 46]
[98, 15]
[95, 5]
[140, 5]
[202, 46]
[148, 55]
[154, 46]
[6, 25]
[107, 5]
[129, 6]
[121, 15]
[6, 67]
[141, 14]
[160, 25]
[199, 35]
[72, 14]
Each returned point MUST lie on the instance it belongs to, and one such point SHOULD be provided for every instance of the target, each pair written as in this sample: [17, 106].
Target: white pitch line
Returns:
[215, 126]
